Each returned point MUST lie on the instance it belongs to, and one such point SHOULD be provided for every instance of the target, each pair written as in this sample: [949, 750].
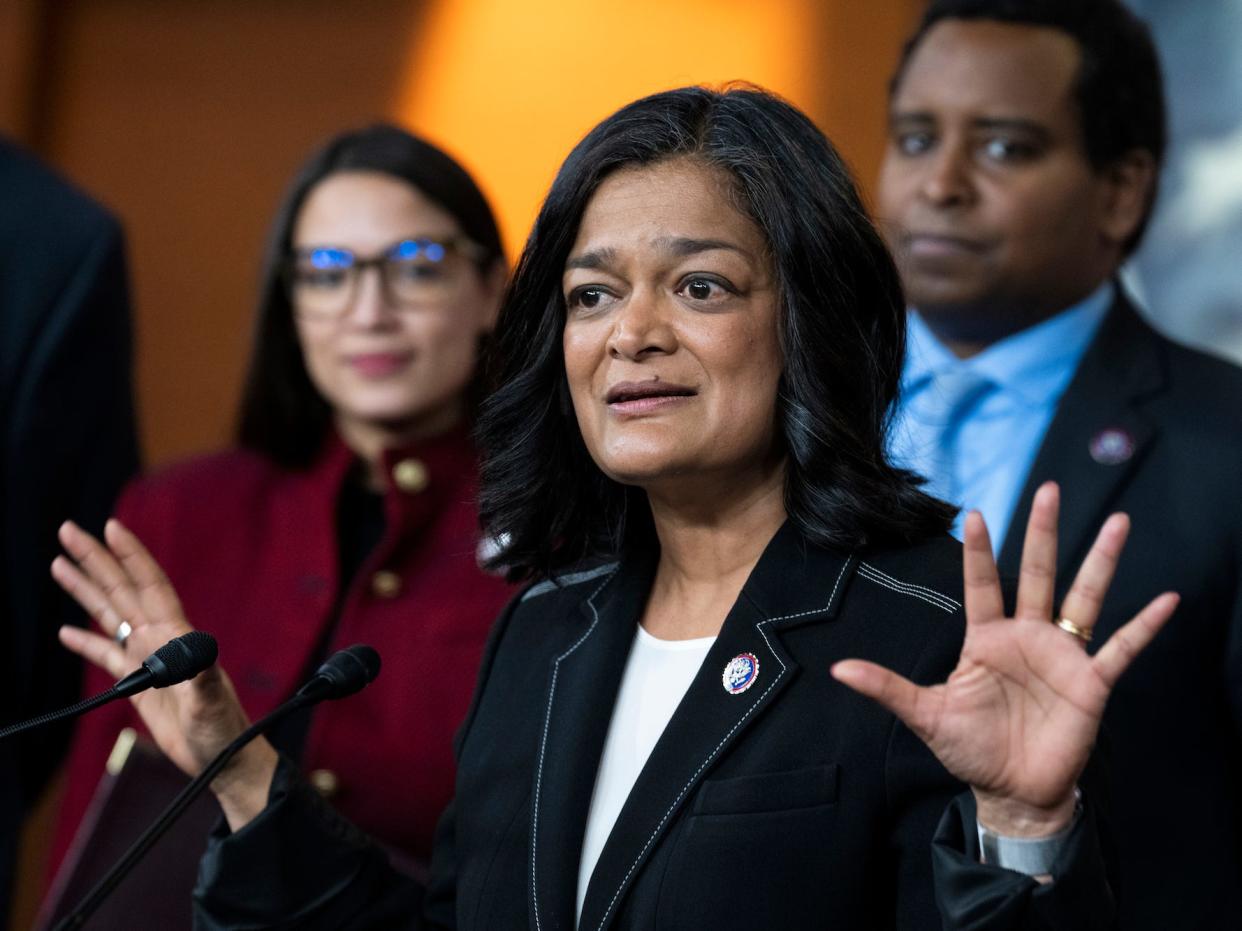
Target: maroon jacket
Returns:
[252, 550]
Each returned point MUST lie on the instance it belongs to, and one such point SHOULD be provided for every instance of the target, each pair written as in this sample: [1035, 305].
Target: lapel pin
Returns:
[740, 673]
[1111, 446]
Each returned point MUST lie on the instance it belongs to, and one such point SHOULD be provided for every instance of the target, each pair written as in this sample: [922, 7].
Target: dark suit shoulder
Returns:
[1195, 382]
[904, 608]
[550, 609]
[929, 571]
[39, 199]
[571, 582]
[1209, 384]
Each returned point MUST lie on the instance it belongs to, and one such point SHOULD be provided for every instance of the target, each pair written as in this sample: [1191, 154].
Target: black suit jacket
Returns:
[1172, 737]
[794, 804]
[67, 442]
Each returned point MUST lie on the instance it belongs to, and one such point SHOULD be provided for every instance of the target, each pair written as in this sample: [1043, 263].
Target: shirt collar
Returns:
[1034, 364]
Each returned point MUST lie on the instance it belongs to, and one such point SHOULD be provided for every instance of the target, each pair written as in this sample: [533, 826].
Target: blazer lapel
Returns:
[1096, 439]
[787, 586]
[582, 688]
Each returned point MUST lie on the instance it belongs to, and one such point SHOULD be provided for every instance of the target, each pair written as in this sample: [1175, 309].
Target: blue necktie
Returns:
[955, 394]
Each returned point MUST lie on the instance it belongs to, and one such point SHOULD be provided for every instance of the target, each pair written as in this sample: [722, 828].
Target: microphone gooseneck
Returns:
[344, 673]
[176, 661]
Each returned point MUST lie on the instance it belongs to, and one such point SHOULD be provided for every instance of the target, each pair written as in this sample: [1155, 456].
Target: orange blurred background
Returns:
[186, 118]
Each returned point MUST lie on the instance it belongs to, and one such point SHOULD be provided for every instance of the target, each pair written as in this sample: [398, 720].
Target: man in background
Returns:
[67, 443]
[1025, 143]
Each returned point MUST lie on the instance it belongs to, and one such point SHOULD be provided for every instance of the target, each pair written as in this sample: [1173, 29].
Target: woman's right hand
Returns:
[191, 722]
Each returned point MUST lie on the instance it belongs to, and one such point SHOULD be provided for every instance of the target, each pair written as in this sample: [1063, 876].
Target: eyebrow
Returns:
[679, 246]
[1017, 124]
[682, 246]
[596, 258]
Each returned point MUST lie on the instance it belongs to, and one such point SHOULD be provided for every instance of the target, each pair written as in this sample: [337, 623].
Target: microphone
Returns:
[347, 671]
[179, 659]
[344, 673]
[176, 661]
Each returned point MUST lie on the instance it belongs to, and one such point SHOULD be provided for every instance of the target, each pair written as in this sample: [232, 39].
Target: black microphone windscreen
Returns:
[182, 658]
[349, 670]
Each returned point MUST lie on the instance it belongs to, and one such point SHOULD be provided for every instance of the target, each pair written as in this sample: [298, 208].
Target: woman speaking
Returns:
[715, 703]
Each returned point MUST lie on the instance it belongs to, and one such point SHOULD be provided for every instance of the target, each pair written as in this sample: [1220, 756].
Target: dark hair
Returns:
[283, 415]
[842, 332]
[1119, 87]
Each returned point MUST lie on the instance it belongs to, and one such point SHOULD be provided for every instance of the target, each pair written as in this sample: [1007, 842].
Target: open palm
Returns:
[121, 582]
[1017, 718]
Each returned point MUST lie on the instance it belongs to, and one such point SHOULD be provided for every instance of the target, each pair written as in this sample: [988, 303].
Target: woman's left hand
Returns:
[1018, 717]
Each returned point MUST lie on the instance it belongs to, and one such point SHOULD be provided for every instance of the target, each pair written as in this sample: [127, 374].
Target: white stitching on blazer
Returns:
[932, 597]
[724, 739]
[922, 588]
[543, 744]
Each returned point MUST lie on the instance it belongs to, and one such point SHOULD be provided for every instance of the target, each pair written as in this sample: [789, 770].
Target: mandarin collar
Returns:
[420, 471]
[431, 464]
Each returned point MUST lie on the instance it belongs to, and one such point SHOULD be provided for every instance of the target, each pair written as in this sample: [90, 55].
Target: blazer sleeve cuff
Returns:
[299, 864]
[974, 895]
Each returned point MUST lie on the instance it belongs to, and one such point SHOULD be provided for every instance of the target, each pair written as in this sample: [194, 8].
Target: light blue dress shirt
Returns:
[973, 426]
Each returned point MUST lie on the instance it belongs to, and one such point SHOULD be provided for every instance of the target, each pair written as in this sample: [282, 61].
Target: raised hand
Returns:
[137, 611]
[1018, 717]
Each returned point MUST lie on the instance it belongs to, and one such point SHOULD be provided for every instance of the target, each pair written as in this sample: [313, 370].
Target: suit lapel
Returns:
[787, 586]
[583, 683]
[1096, 439]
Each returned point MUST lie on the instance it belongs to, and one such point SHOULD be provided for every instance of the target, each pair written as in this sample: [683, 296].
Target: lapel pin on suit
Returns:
[1111, 446]
[740, 673]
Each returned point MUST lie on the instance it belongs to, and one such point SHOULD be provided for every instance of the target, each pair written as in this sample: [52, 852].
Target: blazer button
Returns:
[325, 782]
[385, 584]
[410, 475]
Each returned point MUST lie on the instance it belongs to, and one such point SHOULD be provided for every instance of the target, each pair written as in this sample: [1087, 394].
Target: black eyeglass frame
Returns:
[461, 245]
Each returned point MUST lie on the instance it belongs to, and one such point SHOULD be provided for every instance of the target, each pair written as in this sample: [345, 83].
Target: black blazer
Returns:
[1173, 728]
[794, 804]
[67, 443]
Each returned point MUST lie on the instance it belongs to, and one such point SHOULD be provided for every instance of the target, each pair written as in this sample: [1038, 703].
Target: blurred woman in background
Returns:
[347, 513]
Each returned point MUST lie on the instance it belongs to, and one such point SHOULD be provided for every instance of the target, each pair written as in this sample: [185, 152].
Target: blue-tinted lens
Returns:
[412, 249]
[331, 258]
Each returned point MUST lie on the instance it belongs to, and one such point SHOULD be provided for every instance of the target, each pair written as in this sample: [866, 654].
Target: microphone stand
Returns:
[77, 918]
[176, 661]
[71, 712]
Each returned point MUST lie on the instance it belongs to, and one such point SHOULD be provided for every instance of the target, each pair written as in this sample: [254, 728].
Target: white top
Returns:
[657, 675]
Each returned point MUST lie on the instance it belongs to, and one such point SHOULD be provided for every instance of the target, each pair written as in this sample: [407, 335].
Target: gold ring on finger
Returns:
[1082, 633]
[123, 631]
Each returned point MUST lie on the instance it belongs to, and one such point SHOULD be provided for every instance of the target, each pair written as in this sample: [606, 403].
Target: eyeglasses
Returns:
[323, 280]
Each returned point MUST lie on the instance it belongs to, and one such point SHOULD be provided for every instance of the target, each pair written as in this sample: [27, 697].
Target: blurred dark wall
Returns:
[186, 118]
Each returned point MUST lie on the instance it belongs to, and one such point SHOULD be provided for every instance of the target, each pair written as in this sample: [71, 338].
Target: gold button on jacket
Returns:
[386, 584]
[410, 475]
[325, 782]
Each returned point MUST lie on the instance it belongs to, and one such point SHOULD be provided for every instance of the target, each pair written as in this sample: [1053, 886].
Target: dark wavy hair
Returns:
[842, 332]
[283, 415]
[1119, 87]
